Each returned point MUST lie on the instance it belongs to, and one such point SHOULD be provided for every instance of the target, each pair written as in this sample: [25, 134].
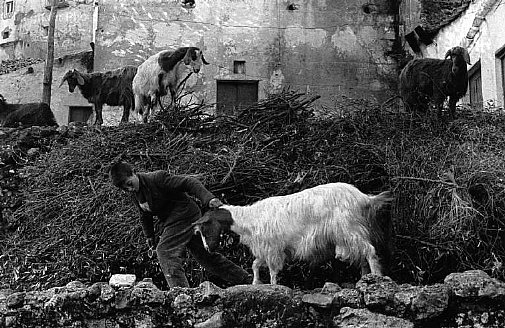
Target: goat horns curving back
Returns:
[458, 51]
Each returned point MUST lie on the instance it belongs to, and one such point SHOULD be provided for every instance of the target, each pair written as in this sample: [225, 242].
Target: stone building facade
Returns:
[333, 48]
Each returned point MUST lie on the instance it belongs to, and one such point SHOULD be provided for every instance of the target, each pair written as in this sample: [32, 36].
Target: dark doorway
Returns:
[234, 94]
[79, 113]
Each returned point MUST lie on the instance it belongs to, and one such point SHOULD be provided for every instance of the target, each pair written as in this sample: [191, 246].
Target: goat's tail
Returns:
[382, 199]
[381, 232]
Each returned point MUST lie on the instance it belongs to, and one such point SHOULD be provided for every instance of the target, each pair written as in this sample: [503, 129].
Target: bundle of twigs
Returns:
[75, 225]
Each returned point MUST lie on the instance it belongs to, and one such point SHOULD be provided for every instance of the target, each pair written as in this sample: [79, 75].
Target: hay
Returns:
[75, 225]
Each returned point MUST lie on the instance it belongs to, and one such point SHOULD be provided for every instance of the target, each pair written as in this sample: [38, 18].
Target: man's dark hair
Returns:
[119, 172]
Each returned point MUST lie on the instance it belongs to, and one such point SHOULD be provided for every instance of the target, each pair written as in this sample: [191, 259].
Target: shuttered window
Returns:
[500, 55]
[475, 86]
[233, 94]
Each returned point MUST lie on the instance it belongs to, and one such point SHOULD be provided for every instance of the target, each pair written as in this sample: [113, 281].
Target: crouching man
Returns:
[165, 196]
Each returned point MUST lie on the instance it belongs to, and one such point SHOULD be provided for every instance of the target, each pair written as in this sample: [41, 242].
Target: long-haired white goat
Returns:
[165, 70]
[334, 219]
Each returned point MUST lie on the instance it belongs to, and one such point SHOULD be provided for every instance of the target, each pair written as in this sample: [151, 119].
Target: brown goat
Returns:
[427, 79]
[113, 88]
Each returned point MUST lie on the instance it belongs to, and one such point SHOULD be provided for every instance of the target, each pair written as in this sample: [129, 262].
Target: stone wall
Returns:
[468, 299]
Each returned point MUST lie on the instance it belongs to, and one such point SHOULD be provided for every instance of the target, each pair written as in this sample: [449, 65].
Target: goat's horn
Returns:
[63, 80]
[466, 57]
[203, 60]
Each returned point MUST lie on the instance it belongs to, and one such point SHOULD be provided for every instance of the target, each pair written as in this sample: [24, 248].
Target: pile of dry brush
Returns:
[447, 178]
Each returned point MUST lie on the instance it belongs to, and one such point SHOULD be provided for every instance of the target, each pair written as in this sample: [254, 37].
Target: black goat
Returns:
[425, 79]
[113, 88]
[13, 115]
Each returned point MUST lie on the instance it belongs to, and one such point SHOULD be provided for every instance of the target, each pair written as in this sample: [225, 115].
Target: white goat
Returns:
[162, 71]
[334, 219]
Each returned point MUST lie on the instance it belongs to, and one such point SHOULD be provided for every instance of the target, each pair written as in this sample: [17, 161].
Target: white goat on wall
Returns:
[334, 219]
[164, 71]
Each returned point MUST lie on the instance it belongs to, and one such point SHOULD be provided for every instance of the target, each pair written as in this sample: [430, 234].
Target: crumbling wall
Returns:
[30, 22]
[332, 48]
[19, 84]
[468, 299]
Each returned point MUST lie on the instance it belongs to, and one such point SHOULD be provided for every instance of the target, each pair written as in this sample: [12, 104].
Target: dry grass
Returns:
[447, 178]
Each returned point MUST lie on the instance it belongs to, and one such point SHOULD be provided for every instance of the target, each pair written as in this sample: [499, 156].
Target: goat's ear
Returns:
[187, 57]
[448, 53]
[80, 79]
[203, 59]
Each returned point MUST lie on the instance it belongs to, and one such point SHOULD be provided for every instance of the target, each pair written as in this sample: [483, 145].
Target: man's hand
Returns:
[215, 203]
[151, 242]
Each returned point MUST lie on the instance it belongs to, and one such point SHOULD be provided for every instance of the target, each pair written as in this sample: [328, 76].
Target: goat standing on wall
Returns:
[30, 114]
[162, 71]
[331, 220]
[113, 88]
[425, 79]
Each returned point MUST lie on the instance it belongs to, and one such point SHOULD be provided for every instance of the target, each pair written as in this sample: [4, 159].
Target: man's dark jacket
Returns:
[166, 197]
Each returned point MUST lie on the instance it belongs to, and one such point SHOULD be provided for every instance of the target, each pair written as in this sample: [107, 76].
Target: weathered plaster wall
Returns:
[21, 87]
[490, 38]
[329, 47]
[410, 13]
[74, 29]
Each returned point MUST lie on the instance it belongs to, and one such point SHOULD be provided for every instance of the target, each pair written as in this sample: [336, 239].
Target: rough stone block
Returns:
[147, 293]
[207, 292]
[348, 298]
[330, 288]
[475, 284]
[318, 300]
[216, 321]
[402, 301]
[363, 318]
[378, 292]
[122, 280]
[430, 302]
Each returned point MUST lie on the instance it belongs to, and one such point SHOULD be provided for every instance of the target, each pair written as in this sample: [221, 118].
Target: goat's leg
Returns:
[365, 268]
[256, 271]
[98, 114]
[275, 265]
[273, 276]
[373, 261]
[151, 103]
[452, 107]
[173, 94]
[126, 113]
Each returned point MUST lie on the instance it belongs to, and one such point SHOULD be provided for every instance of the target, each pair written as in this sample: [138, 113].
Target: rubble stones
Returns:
[122, 280]
[209, 306]
[363, 318]
[474, 284]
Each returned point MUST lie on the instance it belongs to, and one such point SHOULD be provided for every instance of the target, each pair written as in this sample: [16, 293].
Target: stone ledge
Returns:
[375, 302]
